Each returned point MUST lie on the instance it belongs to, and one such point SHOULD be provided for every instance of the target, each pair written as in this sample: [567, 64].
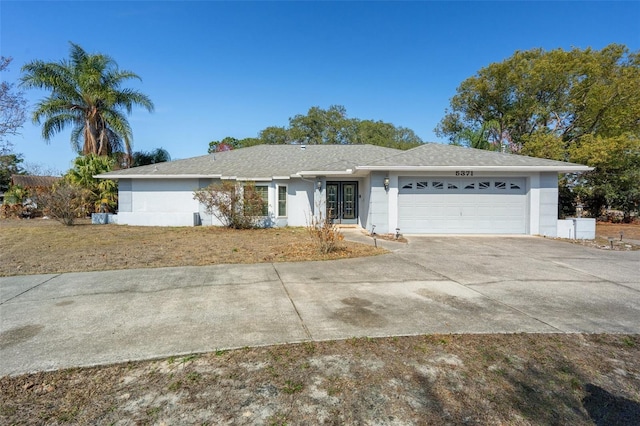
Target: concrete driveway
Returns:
[431, 285]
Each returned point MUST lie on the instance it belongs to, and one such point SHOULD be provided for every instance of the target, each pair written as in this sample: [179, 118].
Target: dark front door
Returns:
[342, 202]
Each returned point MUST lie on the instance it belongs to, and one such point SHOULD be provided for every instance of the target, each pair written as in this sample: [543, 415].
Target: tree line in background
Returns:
[581, 105]
[326, 126]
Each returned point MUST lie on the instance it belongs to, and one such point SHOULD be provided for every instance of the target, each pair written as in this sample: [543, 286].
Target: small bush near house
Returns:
[235, 206]
[65, 202]
[324, 234]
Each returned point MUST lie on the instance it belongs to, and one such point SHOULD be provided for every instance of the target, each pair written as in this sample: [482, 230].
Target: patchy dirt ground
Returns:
[608, 237]
[440, 379]
[40, 246]
[629, 231]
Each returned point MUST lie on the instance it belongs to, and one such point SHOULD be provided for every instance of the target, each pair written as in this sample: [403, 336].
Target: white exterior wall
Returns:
[169, 202]
[543, 204]
[364, 198]
[299, 202]
[379, 204]
[158, 202]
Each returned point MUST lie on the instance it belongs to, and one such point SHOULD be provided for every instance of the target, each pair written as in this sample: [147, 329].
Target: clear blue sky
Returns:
[216, 69]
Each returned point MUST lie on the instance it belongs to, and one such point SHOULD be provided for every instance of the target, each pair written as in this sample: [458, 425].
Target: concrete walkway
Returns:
[431, 285]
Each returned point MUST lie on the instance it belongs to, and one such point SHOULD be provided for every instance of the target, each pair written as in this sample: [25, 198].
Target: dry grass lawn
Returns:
[521, 379]
[629, 231]
[45, 246]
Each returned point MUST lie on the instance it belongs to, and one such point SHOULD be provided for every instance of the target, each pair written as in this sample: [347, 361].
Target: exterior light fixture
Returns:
[579, 209]
[386, 183]
[319, 185]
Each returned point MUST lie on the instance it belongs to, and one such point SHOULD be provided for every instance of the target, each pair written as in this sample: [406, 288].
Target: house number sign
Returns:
[464, 173]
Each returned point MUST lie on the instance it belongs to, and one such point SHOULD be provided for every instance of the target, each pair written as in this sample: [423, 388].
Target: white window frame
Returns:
[286, 206]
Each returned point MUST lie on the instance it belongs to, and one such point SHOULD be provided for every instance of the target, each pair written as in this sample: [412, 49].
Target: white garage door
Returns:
[428, 205]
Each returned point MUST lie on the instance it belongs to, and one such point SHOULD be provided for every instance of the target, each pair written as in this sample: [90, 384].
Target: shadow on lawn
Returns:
[605, 408]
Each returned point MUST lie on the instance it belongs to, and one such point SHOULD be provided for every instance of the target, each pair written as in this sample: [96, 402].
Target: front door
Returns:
[342, 202]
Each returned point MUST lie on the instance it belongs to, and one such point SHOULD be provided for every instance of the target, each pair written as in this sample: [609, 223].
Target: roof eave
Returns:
[310, 173]
[559, 169]
[156, 176]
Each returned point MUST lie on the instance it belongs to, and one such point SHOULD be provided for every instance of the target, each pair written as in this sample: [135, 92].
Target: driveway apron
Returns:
[431, 285]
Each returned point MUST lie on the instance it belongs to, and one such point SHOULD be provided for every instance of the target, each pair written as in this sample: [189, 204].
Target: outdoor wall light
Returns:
[386, 183]
[319, 185]
[579, 209]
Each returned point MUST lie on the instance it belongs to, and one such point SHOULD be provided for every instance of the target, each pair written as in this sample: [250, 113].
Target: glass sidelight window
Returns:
[282, 200]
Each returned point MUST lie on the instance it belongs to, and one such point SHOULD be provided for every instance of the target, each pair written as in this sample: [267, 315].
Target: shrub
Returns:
[324, 234]
[234, 205]
[64, 202]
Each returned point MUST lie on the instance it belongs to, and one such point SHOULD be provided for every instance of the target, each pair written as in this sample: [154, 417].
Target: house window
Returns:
[515, 186]
[470, 186]
[451, 185]
[422, 185]
[438, 185]
[501, 185]
[484, 185]
[263, 191]
[282, 200]
[408, 186]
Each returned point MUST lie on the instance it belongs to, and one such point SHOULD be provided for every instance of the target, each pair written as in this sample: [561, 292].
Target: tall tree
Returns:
[86, 93]
[330, 126]
[226, 144]
[12, 109]
[9, 165]
[274, 135]
[143, 158]
[560, 105]
[535, 93]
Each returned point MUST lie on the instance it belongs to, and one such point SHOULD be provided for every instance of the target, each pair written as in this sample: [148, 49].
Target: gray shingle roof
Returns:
[439, 155]
[268, 161]
[264, 161]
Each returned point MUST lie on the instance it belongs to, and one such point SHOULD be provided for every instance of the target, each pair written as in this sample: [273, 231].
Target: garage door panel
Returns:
[467, 206]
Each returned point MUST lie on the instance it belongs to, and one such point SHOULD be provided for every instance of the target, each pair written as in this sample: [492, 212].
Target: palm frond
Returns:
[54, 124]
[86, 93]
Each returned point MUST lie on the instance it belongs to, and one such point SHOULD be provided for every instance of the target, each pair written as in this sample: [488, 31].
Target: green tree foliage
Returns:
[9, 165]
[101, 194]
[144, 158]
[86, 93]
[226, 144]
[12, 109]
[383, 134]
[320, 126]
[558, 104]
[330, 126]
[615, 180]
[274, 135]
[234, 205]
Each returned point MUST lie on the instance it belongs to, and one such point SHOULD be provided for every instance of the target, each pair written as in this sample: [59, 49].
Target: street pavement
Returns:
[433, 284]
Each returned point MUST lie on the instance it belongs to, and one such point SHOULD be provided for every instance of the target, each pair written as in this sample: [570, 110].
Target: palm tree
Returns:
[86, 93]
[143, 158]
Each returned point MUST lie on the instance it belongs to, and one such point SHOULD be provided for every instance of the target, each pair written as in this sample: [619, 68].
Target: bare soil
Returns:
[518, 379]
[609, 237]
[630, 231]
[39, 246]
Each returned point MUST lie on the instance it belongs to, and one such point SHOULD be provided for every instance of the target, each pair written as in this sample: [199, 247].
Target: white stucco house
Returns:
[431, 189]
